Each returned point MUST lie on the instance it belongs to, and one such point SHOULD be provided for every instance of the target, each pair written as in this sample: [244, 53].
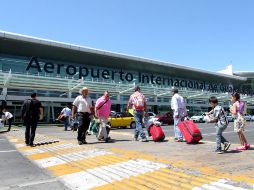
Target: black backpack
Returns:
[27, 109]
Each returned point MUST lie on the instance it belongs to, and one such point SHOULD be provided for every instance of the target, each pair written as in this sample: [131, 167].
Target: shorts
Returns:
[239, 123]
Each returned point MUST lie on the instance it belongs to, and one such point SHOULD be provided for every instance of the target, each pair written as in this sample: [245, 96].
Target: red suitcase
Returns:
[190, 131]
[157, 133]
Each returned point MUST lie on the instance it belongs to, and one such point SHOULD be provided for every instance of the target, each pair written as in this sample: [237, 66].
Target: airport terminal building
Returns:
[56, 71]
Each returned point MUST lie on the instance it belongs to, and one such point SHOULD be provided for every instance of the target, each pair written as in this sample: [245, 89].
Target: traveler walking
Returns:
[138, 100]
[83, 105]
[237, 111]
[31, 113]
[66, 112]
[218, 116]
[102, 111]
[179, 112]
[9, 117]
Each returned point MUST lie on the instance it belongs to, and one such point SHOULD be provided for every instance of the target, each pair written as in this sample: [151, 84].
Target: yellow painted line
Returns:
[69, 150]
[40, 156]
[85, 164]
[59, 152]
[178, 178]
[202, 178]
[154, 182]
[24, 148]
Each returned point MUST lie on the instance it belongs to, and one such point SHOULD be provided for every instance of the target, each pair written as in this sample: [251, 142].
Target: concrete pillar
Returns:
[118, 106]
[69, 94]
[155, 107]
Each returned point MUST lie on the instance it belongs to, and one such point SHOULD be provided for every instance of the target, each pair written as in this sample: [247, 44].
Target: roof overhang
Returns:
[11, 43]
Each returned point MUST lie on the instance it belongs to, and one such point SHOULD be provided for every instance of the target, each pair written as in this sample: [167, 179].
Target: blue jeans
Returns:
[66, 122]
[138, 116]
[219, 138]
[177, 131]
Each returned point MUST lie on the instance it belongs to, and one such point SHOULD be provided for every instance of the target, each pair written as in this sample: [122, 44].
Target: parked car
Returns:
[166, 118]
[248, 117]
[230, 118]
[122, 119]
[151, 114]
[198, 118]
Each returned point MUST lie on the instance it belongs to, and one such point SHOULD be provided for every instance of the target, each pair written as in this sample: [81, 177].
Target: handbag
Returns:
[62, 117]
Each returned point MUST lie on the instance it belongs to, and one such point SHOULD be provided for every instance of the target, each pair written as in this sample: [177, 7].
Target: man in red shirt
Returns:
[138, 100]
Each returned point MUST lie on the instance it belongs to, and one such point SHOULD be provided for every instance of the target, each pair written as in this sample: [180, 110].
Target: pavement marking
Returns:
[61, 159]
[217, 185]
[107, 174]
[85, 164]
[87, 167]
[5, 151]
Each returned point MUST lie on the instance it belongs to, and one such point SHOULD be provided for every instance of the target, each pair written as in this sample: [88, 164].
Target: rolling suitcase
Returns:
[190, 131]
[157, 133]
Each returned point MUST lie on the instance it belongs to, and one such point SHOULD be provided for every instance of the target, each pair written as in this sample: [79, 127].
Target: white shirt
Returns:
[8, 115]
[178, 105]
[83, 104]
[66, 111]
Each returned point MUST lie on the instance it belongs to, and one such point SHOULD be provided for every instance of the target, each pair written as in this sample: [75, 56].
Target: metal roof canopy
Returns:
[21, 45]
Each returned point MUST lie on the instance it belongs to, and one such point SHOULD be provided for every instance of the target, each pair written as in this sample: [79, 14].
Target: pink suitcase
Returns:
[190, 131]
[157, 133]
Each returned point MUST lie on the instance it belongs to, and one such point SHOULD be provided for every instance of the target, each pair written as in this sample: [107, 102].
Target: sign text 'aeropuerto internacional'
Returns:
[121, 75]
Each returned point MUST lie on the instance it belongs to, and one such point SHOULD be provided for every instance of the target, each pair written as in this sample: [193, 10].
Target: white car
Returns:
[198, 118]
[151, 114]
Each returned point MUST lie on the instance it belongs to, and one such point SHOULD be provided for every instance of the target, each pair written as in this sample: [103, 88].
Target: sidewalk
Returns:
[125, 164]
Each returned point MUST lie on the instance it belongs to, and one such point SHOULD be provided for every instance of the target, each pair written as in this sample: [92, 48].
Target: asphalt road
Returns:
[208, 132]
[18, 173]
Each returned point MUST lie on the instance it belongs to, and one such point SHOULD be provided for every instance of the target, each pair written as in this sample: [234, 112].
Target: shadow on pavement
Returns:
[232, 151]
[110, 141]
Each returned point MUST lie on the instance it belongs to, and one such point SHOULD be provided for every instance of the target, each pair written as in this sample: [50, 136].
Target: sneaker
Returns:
[241, 148]
[247, 146]
[178, 140]
[80, 142]
[226, 146]
[218, 151]
[143, 140]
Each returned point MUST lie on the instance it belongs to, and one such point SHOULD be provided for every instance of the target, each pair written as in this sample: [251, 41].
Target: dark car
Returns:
[166, 118]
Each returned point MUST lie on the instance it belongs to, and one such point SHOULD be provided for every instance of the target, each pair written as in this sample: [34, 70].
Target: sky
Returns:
[204, 34]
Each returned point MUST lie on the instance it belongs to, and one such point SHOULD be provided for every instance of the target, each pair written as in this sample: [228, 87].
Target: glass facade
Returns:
[55, 79]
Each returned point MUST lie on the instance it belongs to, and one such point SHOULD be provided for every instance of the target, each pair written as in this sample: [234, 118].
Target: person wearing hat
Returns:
[83, 106]
[179, 108]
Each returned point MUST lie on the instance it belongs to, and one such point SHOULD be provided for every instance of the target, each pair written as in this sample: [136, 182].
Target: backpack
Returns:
[139, 102]
[241, 107]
